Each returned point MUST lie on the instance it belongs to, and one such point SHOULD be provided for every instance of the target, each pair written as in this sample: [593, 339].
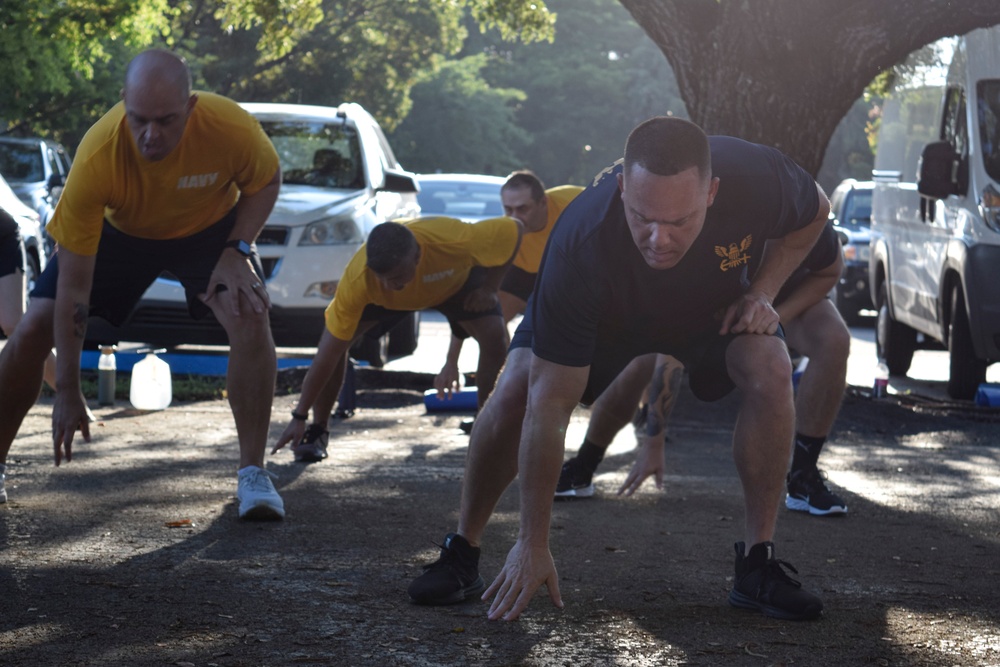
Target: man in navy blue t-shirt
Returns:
[812, 326]
[652, 257]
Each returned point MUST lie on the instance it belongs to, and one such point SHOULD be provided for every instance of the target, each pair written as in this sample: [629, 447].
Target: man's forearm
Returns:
[782, 256]
[252, 210]
[329, 353]
[540, 459]
[70, 329]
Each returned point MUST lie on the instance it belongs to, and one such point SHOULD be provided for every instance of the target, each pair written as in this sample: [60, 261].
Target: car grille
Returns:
[273, 236]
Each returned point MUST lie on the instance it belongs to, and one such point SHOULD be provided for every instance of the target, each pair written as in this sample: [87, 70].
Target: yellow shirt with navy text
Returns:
[529, 255]
[223, 152]
[449, 248]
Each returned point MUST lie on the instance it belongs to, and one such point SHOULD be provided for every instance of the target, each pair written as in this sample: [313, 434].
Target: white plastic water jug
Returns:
[150, 387]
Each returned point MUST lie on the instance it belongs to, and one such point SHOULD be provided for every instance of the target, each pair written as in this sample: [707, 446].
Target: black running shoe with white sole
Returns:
[452, 578]
[808, 492]
[761, 583]
[575, 481]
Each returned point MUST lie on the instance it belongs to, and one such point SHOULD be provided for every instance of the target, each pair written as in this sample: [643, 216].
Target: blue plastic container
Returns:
[465, 400]
[988, 395]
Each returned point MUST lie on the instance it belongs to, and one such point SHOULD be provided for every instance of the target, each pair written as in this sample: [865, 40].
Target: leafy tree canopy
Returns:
[460, 123]
[53, 53]
[316, 51]
[573, 105]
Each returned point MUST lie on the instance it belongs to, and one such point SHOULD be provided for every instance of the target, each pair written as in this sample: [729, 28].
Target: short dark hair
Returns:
[389, 243]
[666, 146]
[525, 178]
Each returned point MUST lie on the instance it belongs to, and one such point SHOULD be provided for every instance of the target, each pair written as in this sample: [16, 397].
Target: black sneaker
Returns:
[312, 447]
[761, 583]
[807, 492]
[453, 577]
[466, 426]
[575, 481]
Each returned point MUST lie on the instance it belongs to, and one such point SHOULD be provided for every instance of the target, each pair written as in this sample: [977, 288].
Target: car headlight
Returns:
[336, 230]
[854, 252]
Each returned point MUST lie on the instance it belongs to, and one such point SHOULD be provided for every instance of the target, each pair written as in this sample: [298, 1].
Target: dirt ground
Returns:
[132, 554]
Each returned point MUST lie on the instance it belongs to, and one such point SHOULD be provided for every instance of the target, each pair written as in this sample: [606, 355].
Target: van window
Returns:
[953, 125]
[988, 110]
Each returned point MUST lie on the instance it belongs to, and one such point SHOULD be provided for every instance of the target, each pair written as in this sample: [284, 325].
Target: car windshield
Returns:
[988, 102]
[858, 209]
[21, 163]
[318, 154]
[460, 199]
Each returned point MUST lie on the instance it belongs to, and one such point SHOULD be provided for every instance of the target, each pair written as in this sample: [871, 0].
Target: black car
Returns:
[851, 213]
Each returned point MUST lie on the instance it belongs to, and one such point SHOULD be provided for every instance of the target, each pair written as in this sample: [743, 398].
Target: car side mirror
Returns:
[399, 181]
[937, 176]
[937, 172]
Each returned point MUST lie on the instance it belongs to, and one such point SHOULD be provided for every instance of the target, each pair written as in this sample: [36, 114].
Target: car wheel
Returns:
[966, 371]
[373, 350]
[403, 337]
[894, 342]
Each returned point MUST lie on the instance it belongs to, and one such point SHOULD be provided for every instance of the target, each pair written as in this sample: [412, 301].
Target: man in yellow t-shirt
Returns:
[407, 266]
[167, 180]
[524, 198]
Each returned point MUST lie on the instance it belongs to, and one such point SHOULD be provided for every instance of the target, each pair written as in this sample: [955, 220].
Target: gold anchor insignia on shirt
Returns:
[734, 255]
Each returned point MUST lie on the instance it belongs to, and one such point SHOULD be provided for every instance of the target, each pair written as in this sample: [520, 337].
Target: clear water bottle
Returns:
[881, 387]
[107, 369]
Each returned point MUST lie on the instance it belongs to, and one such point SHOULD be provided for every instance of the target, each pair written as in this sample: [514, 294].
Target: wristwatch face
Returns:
[240, 246]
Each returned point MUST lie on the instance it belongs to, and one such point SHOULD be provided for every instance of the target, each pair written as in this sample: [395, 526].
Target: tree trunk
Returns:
[784, 73]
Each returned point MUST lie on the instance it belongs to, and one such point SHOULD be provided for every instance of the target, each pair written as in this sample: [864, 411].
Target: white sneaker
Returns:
[258, 499]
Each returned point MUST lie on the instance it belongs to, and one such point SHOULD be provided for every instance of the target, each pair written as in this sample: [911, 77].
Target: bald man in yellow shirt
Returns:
[168, 180]
[406, 266]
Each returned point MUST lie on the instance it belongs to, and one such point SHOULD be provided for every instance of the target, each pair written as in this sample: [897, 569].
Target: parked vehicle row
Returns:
[34, 171]
[30, 228]
[850, 212]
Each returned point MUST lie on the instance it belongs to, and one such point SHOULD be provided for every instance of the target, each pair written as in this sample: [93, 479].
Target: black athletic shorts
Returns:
[11, 254]
[518, 282]
[453, 308]
[127, 265]
[704, 359]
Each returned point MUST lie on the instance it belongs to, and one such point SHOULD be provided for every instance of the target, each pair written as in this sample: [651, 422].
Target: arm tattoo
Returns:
[80, 311]
[662, 396]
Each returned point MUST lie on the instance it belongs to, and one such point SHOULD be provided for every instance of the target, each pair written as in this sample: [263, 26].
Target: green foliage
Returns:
[183, 387]
[849, 154]
[524, 20]
[459, 123]
[62, 61]
[53, 54]
[583, 92]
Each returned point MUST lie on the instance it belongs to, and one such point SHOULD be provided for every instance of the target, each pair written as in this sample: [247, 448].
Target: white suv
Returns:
[340, 179]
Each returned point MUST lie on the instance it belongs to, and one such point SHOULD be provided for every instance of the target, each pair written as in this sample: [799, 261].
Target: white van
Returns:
[934, 271]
